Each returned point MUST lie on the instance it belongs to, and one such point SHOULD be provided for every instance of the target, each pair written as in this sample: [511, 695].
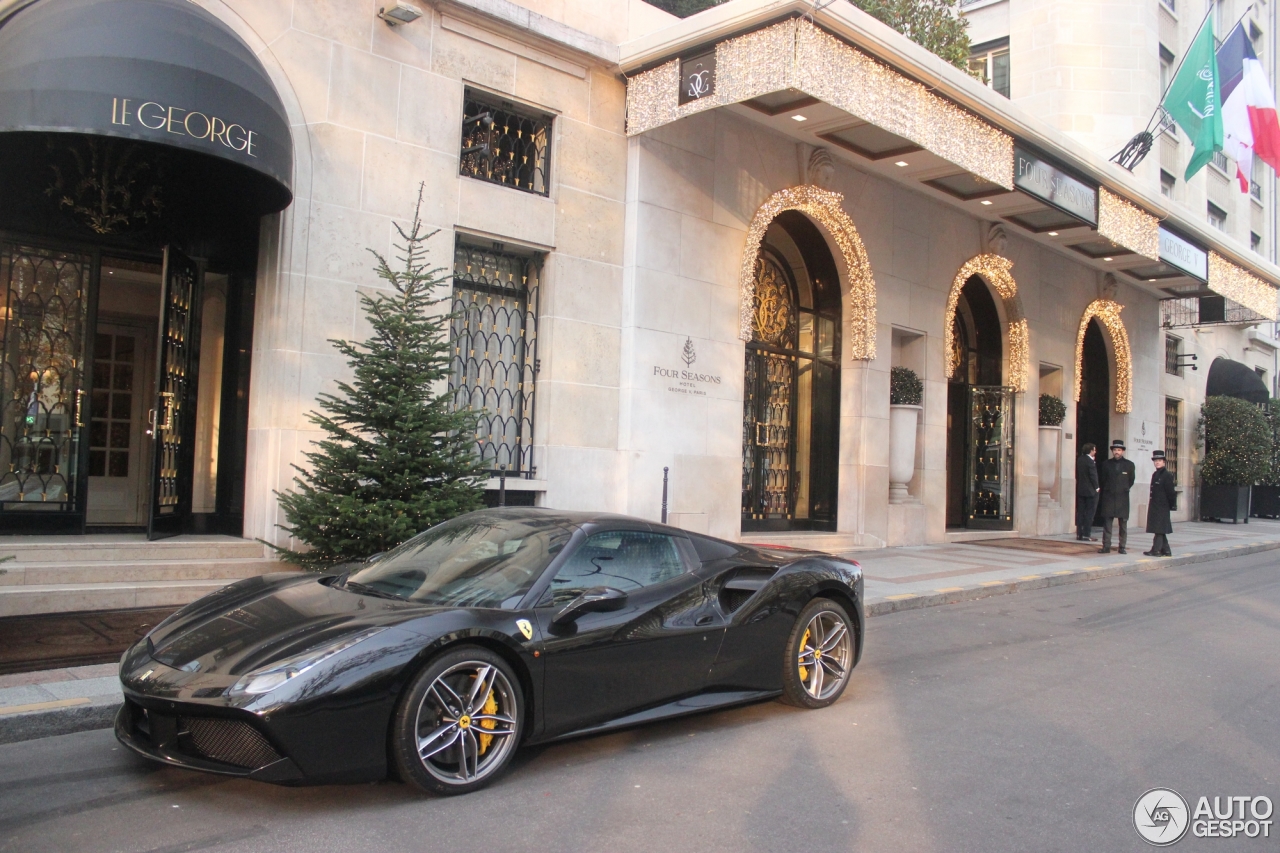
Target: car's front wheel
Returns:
[819, 656]
[459, 723]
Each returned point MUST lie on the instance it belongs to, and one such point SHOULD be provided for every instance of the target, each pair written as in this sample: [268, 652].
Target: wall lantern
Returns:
[399, 14]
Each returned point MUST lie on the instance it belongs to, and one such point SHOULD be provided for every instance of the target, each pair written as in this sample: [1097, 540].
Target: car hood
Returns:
[256, 622]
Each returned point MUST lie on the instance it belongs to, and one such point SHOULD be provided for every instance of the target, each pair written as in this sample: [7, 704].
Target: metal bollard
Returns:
[664, 494]
[502, 485]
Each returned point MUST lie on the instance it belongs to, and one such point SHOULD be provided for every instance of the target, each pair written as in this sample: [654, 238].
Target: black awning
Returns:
[1229, 378]
[163, 71]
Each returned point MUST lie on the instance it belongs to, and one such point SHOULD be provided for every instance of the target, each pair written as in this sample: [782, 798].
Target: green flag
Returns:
[1195, 101]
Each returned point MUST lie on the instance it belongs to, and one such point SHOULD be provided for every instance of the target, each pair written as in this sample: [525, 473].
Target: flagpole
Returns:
[1196, 35]
[1136, 149]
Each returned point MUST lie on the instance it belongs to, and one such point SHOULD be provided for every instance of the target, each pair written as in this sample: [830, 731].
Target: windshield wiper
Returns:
[365, 589]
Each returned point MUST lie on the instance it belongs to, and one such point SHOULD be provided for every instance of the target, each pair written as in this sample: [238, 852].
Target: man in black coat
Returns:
[1086, 492]
[1115, 476]
[1164, 498]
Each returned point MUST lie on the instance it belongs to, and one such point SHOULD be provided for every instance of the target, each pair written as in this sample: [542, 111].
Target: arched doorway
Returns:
[791, 405]
[979, 415]
[1093, 406]
[129, 221]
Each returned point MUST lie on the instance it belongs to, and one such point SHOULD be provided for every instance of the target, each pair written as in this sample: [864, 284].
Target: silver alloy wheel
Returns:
[826, 653]
[459, 740]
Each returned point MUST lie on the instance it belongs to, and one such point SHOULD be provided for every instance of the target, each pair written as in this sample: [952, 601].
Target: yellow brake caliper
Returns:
[490, 708]
[804, 670]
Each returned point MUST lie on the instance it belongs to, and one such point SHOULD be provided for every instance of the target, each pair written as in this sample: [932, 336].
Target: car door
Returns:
[659, 646]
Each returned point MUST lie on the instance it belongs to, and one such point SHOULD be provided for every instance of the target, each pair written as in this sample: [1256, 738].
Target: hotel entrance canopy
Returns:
[158, 71]
[838, 78]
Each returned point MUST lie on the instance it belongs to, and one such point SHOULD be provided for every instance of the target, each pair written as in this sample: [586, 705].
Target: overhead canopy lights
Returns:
[799, 56]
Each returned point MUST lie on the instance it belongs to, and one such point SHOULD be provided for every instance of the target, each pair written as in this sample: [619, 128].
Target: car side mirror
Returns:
[598, 599]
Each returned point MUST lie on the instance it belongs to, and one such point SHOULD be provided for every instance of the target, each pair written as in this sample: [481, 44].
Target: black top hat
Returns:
[1117, 443]
[1157, 454]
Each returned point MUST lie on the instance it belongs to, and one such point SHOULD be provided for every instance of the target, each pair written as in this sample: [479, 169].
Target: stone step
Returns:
[45, 574]
[831, 543]
[31, 599]
[126, 549]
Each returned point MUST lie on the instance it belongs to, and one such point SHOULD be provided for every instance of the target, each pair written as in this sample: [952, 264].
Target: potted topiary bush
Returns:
[1052, 411]
[1266, 492]
[1238, 446]
[906, 393]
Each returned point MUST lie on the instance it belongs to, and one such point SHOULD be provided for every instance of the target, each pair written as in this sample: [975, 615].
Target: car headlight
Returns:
[270, 677]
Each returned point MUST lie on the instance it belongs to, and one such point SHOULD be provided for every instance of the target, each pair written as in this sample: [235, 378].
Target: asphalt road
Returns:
[1029, 722]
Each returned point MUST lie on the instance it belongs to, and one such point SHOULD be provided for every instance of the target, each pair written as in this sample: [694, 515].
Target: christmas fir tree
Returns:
[396, 458]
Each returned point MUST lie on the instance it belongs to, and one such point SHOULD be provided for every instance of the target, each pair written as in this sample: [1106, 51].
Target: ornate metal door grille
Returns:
[173, 419]
[43, 334]
[495, 352]
[990, 463]
[768, 442]
[505, 145]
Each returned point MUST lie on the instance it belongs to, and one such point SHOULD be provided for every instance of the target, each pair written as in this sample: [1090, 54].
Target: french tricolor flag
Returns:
[1248, 107]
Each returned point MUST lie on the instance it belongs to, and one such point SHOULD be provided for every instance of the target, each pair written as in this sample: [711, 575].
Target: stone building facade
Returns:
[711, 284]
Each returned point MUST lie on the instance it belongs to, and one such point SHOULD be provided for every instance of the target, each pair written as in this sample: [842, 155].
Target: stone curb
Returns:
[100, 714]
[915, 601]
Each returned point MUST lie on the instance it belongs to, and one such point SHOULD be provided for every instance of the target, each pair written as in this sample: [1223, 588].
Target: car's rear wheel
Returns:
[458, 725]
[819, 655]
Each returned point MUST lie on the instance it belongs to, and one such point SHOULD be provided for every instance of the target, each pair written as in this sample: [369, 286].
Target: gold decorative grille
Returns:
[505, 145]
[42, 343]
[495, 351]
[1172, 408]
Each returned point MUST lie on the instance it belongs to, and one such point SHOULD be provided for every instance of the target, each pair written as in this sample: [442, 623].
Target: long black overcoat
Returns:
[1116, 478]
[1164, 498]
[1086, 477]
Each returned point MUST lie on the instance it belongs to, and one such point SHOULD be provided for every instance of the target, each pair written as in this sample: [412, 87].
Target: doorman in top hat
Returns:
[1164, 498]
[1115, 476]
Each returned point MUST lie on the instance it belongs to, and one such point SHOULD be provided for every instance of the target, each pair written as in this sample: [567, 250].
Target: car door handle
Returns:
[704, 620]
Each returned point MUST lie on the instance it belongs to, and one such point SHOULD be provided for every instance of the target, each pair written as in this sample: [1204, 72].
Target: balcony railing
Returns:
[1255, 190]
[1190, 311]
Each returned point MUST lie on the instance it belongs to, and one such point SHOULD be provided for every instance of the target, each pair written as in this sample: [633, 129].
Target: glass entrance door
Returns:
[172, 417]
[989, 467]
[42, 337]
[791, 409]
[118, 441]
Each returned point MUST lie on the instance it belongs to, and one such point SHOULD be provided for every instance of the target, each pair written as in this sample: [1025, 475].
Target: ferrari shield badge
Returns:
[525, 628]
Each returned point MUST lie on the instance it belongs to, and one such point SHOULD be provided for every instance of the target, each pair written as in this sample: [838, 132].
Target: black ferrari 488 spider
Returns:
[498, 628]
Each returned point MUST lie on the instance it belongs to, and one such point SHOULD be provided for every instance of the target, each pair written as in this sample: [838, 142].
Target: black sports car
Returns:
[497, 628]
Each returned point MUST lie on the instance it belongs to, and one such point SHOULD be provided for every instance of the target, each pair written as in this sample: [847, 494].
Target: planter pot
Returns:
[1266, 502]
[1050, 441]
[1225, 503]
[902, 451]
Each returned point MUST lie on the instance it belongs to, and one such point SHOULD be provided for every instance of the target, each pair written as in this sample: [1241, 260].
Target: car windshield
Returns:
[472, 561]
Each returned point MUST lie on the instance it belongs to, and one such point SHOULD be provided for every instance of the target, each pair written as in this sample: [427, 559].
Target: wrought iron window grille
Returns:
[1172, 409]
[1172, 362]
[495, 352]
[504, 144]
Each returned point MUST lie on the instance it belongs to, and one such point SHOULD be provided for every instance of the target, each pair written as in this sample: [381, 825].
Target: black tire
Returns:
[463, 755]
[799, 680]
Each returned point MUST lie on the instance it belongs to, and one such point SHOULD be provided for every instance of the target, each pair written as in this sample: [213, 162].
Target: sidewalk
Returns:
[924, 576]
[60, 701]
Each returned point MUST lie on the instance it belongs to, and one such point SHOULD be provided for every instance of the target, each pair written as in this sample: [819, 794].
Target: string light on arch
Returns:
[823, 206]
[995, 271]
[1107, 313]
